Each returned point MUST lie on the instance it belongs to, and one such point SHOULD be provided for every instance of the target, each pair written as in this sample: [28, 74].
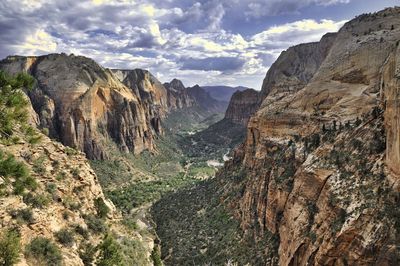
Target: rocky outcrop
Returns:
[66, 197]
[296, 66]
[84, 105]
[242, 105]
[205, 101]
[178, 97]
[319, 167]
[390, 84]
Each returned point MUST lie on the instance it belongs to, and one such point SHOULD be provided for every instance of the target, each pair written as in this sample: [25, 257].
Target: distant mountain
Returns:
[178, 95]
[206, 101]
[222, 93]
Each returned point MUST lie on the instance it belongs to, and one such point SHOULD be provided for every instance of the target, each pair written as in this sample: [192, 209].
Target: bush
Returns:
[65, 215]
[87, 253]
[10, 247]
[101, 208]
[75, 172]
[337, 224]
[110, 252]
[95, 224]
[44, 252]
[130, 224]
[82, 231]
[36, 201]
[65, 237]
[13, 102]
[70, 151]
[10, 167]
[156, 257]
[60, 176]
[51, 188]
[25, 215]
[38, 166]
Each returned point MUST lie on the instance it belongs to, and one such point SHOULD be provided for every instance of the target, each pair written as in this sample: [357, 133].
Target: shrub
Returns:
[44, 252]
[36, 201]
[110, 252]
[65, 215]
[86, 253]
[71, 204]
[95, 224]
[45, 131]
[51, 187]
[65, 237]
[130, 224]
[339, 221]
[10, 247]
[75, 172]
[10, 167]
[60, 176]
[38, 166]
[156, 257]
[13, 102]
[101, 208]
[82, 231]
[25, 215]
[70, 151]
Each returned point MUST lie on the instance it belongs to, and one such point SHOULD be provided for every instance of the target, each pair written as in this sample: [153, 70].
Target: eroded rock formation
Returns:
[242, 105]
[85, 105]
[320, 165]
[178, 97]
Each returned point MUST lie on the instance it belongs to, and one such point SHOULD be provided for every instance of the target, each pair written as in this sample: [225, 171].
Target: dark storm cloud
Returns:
[223, 64]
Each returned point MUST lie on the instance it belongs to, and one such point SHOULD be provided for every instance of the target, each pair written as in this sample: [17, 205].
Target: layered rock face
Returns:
[205, 101]
[83, 104]
[295, 67]
[178, 97]
[242, 105]
[320, 165]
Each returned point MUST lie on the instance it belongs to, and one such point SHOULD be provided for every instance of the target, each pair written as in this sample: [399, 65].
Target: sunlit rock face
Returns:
[322, 153]
[83, 104]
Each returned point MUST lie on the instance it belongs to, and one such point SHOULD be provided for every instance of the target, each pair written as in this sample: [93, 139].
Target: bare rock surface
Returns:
[320, 164]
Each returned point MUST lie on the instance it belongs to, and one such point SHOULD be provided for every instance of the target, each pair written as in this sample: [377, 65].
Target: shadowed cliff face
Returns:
[82, 104]
[205, 101]
[242, 105]
[178, 96]
[321, 157]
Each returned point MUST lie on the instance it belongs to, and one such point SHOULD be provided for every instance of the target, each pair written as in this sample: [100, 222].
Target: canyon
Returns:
[311, 163]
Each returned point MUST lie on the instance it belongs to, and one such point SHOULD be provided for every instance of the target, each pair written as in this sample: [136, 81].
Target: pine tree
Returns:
[13, 101]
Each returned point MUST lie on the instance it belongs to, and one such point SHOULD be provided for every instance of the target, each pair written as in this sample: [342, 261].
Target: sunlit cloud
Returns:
[191, 40]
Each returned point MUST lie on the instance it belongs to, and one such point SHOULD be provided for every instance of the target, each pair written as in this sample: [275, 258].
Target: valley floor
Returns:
[171, 194]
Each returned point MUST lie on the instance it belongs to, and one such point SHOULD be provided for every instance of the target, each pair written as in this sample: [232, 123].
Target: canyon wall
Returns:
[320, 165]
[242, 105]
[86, 106]
[178, 97]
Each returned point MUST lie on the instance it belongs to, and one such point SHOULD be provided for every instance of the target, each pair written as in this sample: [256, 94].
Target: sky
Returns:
[206, 42]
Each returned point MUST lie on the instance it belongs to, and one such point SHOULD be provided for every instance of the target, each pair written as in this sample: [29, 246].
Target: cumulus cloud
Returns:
[191, 40]
[306, 30]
